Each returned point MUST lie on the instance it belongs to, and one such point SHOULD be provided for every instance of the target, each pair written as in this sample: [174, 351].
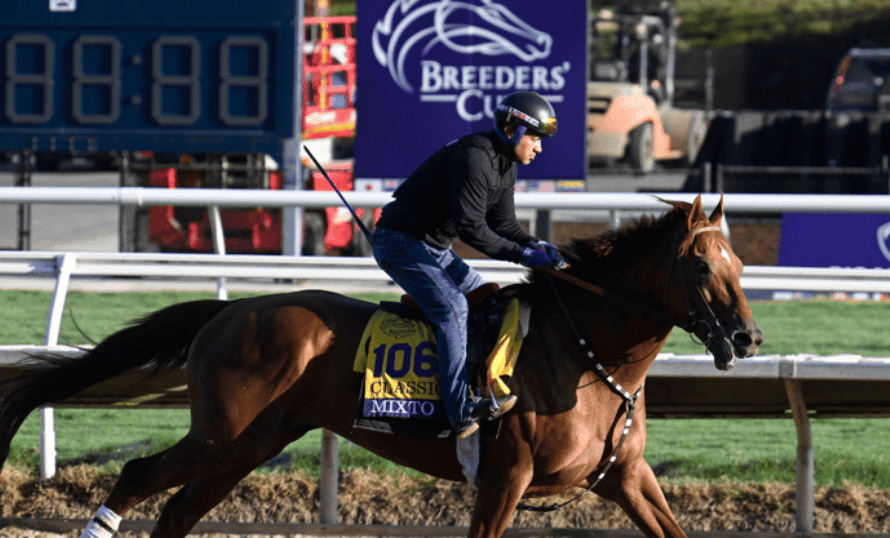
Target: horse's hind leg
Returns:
[200, 455]
[188, 460]
[635, 489]
[194, 500]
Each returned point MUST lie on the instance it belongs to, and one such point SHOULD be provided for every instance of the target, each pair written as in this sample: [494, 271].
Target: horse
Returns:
[264, 371]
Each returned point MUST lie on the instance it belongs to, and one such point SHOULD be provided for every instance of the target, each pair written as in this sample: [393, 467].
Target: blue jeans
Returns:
[438, 280]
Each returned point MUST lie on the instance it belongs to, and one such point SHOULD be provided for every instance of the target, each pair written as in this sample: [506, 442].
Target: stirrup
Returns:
[492, 409]
[500, 406]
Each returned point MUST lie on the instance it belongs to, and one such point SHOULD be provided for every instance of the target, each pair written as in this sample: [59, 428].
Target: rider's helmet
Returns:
[530, 111]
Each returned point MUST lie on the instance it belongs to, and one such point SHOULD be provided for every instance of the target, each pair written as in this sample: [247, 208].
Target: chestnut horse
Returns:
[264, 371]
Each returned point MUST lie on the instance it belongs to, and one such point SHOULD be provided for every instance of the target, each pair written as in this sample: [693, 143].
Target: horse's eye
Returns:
[702, 268]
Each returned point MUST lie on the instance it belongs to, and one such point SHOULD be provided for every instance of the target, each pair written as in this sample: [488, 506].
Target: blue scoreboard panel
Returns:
[161, 75]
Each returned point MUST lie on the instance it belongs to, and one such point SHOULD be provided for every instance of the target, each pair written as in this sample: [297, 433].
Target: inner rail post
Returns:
[803, 514]
[64, 266]
[328, 481]
[219, 246]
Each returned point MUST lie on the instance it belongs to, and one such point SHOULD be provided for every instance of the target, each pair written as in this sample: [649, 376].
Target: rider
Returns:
[464, 190]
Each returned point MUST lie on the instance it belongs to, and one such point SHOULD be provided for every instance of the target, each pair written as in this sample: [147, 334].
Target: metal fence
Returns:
[795, 179]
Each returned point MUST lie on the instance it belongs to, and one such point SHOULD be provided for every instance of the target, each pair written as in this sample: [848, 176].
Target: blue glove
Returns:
[552, 251]
[535, 258]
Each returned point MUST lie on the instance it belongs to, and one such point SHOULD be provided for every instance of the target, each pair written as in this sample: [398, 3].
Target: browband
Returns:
[695, 232]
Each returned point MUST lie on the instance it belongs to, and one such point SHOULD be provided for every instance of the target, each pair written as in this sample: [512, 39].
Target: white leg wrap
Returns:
[104, 525]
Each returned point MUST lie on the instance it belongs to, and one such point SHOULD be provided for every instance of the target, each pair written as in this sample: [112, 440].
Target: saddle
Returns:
[401, 392]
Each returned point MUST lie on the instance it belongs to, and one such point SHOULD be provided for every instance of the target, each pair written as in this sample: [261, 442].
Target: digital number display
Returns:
[111, 76]
[98, 84]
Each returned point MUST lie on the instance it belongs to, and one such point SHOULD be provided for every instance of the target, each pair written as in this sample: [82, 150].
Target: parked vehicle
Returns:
[861, 82]
[630, 115]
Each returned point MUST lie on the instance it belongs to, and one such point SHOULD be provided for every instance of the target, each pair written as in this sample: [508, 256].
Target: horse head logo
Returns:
[492, 30]
[883, 235]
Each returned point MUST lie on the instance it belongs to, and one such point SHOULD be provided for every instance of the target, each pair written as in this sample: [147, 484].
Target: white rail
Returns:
[248, 266]
[609, 201]
[215, 266]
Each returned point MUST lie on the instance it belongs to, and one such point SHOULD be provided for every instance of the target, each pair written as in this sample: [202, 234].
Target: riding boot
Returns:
[467, 428]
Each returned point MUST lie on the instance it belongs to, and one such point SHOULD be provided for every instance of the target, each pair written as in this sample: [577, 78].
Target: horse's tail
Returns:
[160, 340]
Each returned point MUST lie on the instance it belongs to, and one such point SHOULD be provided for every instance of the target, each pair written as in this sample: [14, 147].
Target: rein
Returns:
[610, 295]
[715, 334]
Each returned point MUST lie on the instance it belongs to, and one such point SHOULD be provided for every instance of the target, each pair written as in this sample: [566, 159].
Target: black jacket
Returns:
[463, 190]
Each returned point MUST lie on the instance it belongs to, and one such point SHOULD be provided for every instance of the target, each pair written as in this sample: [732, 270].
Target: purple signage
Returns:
[835, 240]
[431, 71]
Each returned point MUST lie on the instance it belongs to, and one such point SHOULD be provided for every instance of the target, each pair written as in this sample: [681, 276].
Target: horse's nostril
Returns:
[755, 337]
[741, 339]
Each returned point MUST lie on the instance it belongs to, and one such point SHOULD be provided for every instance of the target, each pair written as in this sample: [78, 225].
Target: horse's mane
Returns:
[592, 258]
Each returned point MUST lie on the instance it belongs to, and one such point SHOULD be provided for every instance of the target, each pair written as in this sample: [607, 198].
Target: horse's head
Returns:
[705, 287]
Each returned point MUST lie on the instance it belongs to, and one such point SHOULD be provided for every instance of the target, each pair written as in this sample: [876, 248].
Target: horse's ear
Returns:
[695, 213]
[683, 206]
[716, 217]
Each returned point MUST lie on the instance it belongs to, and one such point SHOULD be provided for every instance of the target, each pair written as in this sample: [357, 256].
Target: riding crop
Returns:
[358, 221]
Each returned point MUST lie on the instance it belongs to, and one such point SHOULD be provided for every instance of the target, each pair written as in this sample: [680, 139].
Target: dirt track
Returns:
[368, 498]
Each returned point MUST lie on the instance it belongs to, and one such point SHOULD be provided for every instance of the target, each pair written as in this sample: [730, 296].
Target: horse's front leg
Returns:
[502, 483]
[635, 489]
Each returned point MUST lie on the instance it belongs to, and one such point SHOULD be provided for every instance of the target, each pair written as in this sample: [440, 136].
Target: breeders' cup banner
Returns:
[431, 71]
[835, 240]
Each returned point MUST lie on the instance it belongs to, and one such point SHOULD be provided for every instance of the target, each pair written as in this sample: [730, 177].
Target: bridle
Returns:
[714, 330]
[715, 335]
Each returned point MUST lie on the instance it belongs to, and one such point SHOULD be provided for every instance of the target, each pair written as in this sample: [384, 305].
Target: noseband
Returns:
[716, 335]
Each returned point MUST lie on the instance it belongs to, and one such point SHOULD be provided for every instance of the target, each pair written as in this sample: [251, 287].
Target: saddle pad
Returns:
[398, 357]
